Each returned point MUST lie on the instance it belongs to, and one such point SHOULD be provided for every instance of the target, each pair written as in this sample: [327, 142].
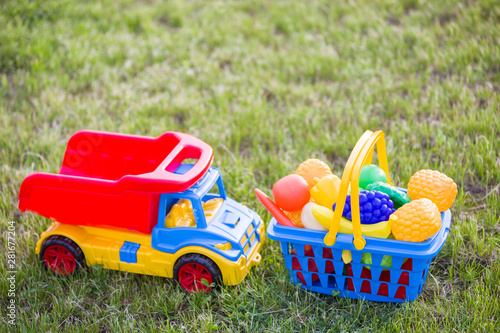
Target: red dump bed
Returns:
[110, 179]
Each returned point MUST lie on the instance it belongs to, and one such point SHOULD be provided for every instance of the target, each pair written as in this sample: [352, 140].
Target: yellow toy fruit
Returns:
[325, 216]
[325, 192]
[313, 168]
[346, 256]
[295, 217]
[435, 186]
[416, 221]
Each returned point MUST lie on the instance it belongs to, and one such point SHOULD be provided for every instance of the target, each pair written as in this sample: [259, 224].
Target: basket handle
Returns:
[360, 156]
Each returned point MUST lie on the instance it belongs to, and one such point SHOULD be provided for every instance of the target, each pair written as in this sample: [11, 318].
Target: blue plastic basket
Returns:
[320, 268]
[314, 258]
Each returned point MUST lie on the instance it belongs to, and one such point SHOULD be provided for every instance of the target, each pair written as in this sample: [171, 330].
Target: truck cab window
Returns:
[181, 215]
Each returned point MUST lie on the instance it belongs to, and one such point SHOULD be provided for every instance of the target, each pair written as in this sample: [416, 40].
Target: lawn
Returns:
[267, 85]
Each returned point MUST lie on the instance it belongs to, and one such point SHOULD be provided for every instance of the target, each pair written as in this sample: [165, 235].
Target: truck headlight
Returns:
[224, 246]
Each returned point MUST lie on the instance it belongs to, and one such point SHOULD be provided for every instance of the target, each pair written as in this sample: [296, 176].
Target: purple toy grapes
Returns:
[374, 207]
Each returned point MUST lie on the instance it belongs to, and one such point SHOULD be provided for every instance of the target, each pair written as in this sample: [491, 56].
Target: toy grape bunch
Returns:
[374, 207]
[325, 216]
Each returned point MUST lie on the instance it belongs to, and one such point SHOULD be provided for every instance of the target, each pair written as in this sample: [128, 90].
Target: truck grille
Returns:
[248, 239]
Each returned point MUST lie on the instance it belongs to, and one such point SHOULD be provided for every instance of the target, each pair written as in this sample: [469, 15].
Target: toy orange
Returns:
[416, 221]
[435, 186]
[313, 168]
[295, 217]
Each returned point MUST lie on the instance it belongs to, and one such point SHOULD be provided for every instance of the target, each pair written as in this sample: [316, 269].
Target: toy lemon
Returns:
[311, 169]
[435, 186]
[326, 190]
[416, 221]
[325, 216]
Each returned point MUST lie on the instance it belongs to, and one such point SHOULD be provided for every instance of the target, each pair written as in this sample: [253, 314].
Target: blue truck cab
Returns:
[204, 216]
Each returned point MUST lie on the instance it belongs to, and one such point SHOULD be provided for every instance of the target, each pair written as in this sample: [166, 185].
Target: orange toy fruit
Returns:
[295, 217]
[313, 168]
[416, 221]
[291, 193]
[435, 186]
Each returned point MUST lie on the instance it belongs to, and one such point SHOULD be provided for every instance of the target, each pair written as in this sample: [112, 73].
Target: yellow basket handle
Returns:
[360, 156]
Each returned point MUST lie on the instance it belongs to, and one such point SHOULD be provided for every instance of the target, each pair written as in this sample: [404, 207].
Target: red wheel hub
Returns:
[59, 260]
[191, 275]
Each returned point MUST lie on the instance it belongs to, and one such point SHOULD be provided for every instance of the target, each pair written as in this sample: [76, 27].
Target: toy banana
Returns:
[379, 230]
[326, 190]
[346, 256]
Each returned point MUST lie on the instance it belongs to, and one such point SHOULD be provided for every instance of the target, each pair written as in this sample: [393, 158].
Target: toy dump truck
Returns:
[136, 204]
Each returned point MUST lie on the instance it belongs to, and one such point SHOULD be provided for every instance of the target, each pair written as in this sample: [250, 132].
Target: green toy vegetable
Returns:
[399, 198]
[370, 174]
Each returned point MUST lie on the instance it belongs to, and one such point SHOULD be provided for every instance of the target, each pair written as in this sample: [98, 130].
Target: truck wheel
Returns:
[191, 269]
[61, 255]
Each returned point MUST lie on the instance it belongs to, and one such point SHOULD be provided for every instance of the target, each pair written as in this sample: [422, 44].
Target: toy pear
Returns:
[326, 191]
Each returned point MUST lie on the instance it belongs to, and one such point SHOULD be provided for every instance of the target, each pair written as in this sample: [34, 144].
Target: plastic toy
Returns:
[325, 217]
[295, 217]
[308, 219]
[370, 174]
[326, 190]
[273, 208]
[291, 193]
[366, 258]
[399, 198]
[129, 203]
[435, 186]
[346, 256]
[312, 170]
[314, 258]
[374, 207]
[416, 221]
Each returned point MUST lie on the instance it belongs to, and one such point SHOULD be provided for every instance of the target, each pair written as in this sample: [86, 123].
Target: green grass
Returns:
[267, 85]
